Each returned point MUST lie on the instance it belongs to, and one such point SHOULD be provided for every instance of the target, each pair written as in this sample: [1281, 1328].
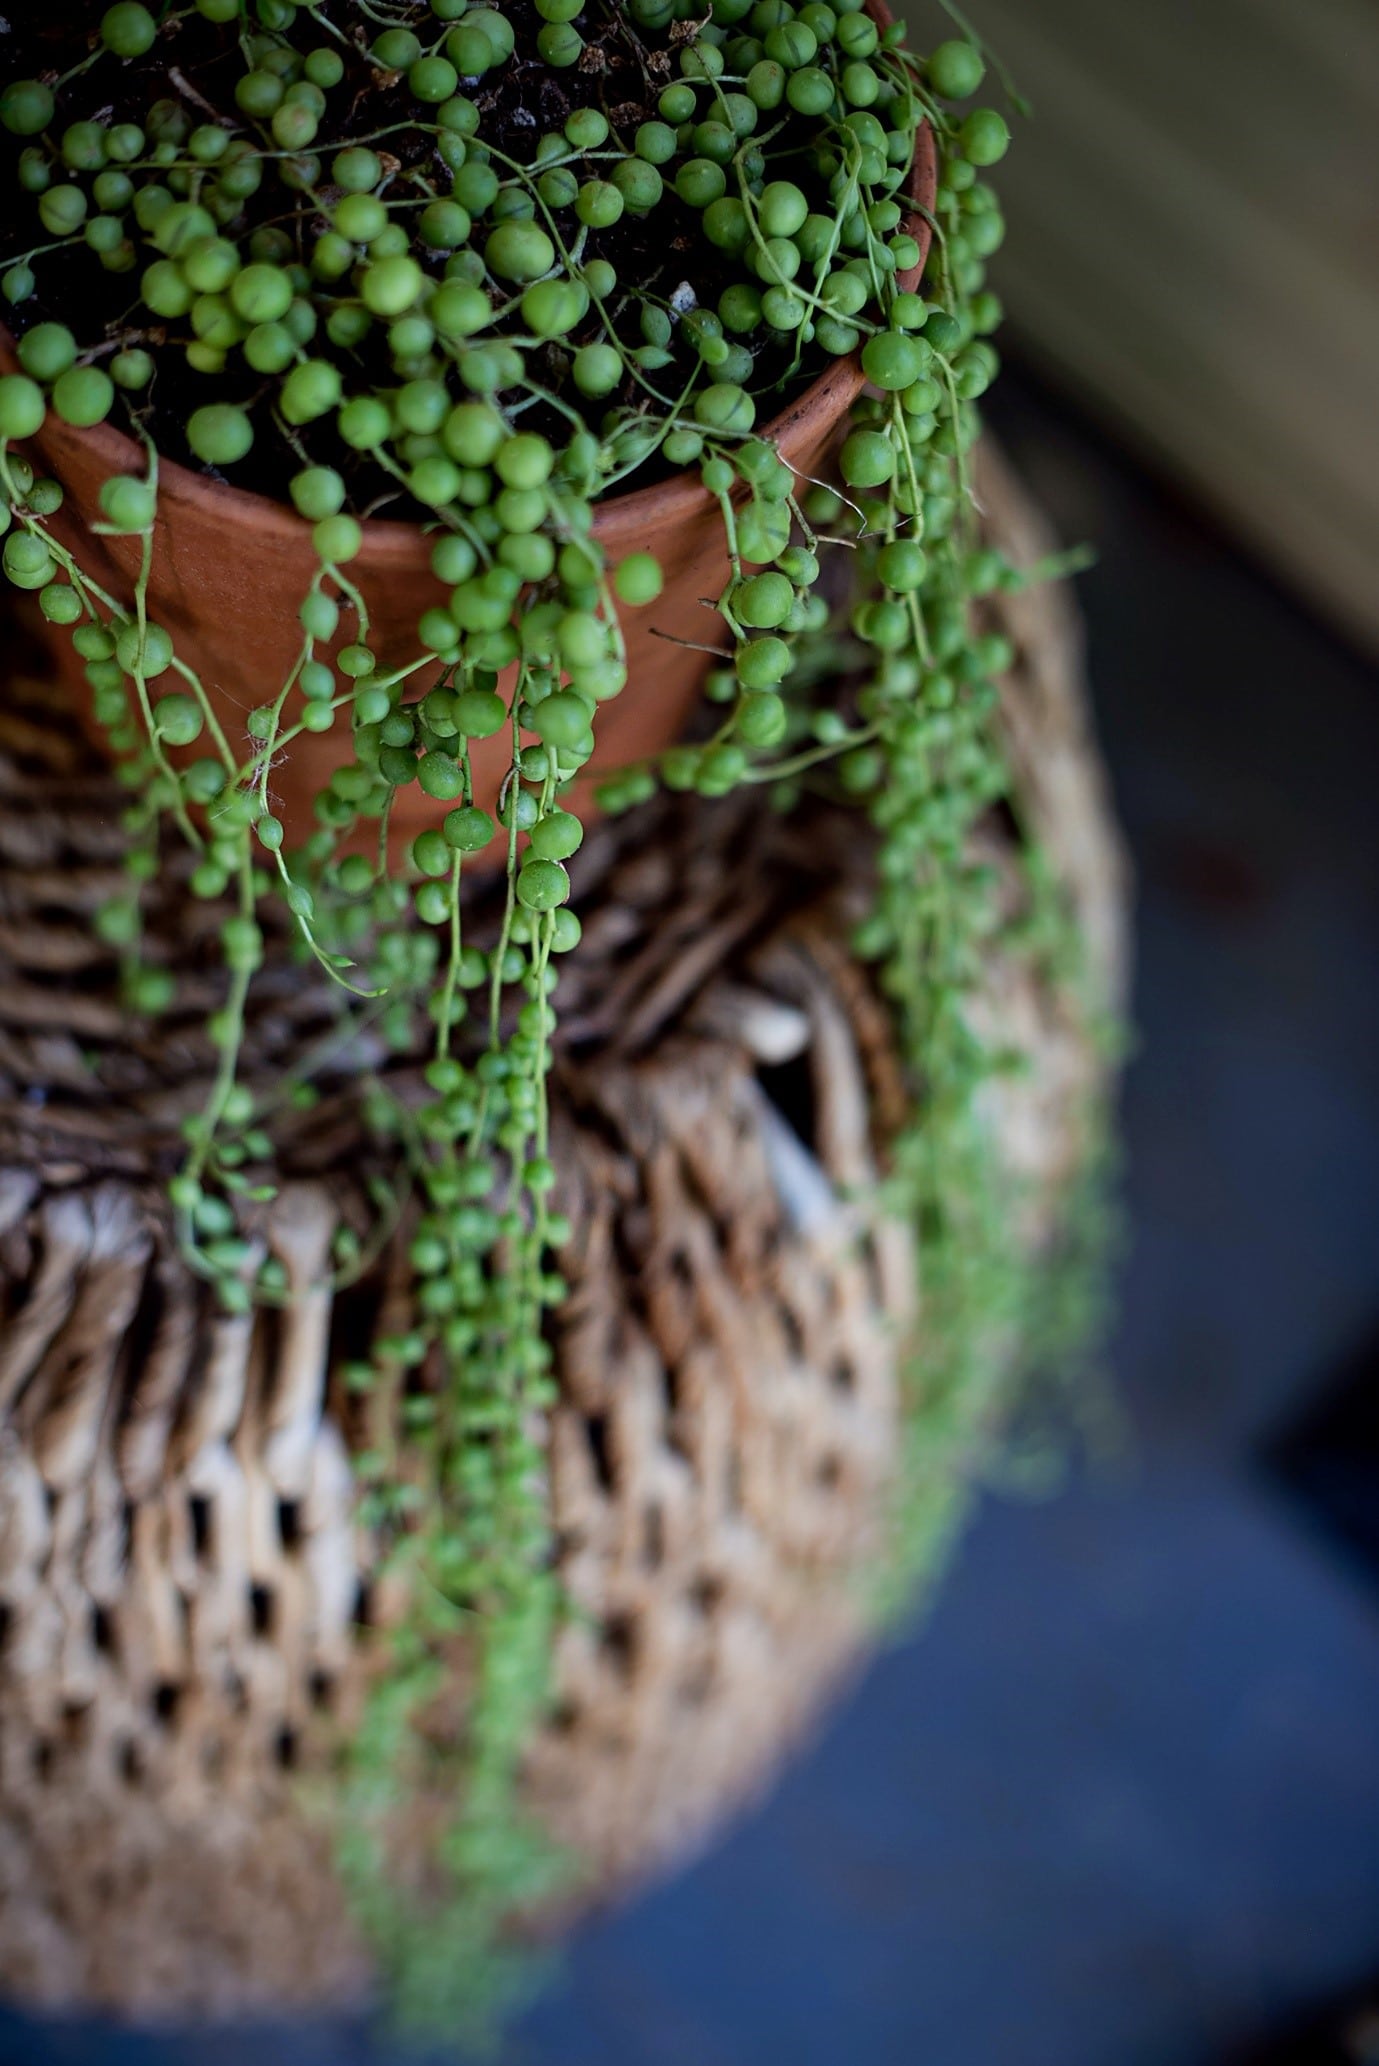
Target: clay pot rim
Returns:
[623, 519]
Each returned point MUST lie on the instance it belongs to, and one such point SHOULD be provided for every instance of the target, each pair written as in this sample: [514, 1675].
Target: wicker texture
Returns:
[180, 1564]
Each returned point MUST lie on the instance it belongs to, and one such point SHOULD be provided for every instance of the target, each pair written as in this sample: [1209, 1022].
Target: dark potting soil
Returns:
[622, 72]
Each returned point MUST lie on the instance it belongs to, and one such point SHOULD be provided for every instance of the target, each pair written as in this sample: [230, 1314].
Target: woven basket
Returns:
[181, 1571]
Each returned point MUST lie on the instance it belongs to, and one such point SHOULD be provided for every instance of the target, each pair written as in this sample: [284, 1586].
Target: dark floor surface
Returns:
[1117, 1803]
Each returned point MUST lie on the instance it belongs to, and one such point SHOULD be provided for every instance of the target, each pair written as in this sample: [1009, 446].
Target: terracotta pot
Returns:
[230, 570]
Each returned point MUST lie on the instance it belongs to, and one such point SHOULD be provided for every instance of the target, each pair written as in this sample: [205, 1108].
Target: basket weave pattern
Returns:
[181, 1568]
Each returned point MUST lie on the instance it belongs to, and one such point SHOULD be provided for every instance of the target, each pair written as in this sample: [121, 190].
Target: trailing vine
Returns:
[297, 245]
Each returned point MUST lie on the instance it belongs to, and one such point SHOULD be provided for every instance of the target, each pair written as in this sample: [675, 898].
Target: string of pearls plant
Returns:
[295, 242]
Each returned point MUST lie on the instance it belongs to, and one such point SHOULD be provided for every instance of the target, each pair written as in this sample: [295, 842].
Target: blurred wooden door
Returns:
[1194, 215]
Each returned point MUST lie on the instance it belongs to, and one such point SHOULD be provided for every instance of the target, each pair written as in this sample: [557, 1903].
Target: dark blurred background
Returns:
[1116, 1803]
